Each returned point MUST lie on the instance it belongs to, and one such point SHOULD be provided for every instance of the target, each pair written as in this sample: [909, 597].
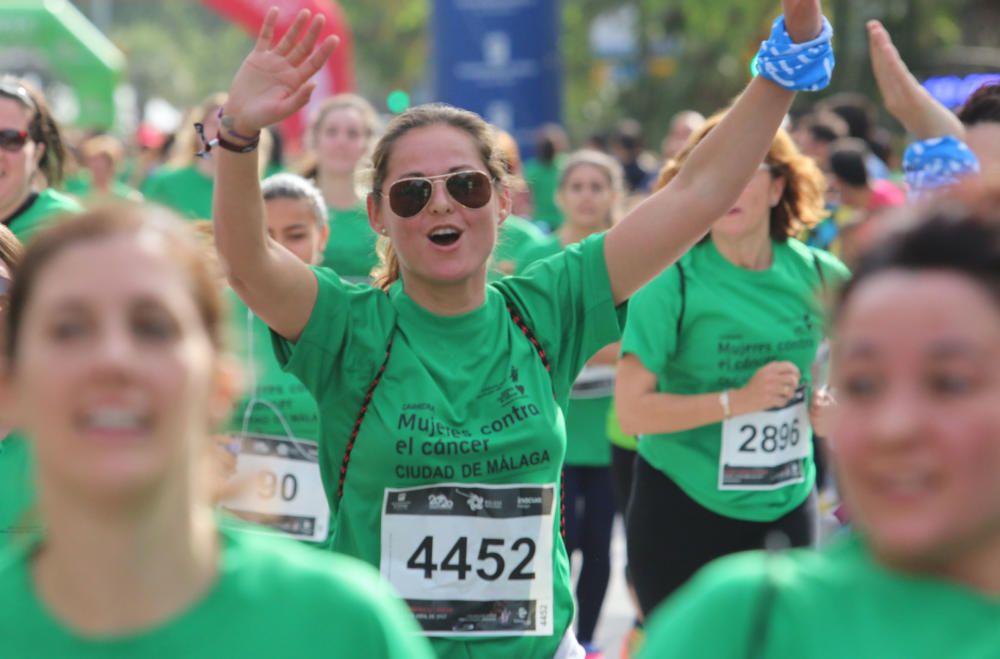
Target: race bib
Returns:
[472, 560]
[279, 486]
[764, 450]
[594, 382]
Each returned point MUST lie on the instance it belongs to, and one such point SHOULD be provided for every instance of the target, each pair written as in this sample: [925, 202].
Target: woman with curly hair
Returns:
[715, 379]
[916, 358]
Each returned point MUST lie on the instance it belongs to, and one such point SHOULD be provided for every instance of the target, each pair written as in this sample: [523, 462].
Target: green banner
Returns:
[53, 39]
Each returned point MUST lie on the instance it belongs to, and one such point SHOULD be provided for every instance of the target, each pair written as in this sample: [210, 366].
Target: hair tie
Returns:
[800, 67]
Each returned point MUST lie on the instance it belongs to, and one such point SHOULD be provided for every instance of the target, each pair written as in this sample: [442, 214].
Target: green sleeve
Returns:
[834, 270]
[714, 615]
[567, 302]
[543, 249]
[651, 331]
[345, 336]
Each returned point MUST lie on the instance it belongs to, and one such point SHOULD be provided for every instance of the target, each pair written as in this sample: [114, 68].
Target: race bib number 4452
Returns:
[764, 450]
[472, 560]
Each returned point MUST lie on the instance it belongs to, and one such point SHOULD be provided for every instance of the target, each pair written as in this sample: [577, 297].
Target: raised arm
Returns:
[664, 226]
[272, 83]
[904, 97]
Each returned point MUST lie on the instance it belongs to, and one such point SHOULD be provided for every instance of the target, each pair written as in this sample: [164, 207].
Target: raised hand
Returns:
[803, 19]
[274, 80]
[903, 95]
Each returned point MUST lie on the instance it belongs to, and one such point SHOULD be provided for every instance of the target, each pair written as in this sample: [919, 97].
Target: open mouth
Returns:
[444, 236]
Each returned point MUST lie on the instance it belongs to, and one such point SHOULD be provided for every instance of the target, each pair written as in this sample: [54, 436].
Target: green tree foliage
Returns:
[710, 45]
[182, 51]
[179, 50]
[690, 53]
[391, 45]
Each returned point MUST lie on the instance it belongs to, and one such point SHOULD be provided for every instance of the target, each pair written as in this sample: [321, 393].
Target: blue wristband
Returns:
[799, 67]
[936, 163]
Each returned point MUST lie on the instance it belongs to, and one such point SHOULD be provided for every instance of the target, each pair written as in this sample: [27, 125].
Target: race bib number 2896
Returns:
[472, 559]
[764, 450]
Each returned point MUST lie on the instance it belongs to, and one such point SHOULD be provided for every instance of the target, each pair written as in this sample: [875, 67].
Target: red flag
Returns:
[338, 74]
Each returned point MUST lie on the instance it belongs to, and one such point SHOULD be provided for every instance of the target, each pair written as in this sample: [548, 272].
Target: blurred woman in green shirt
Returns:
[31, 160]
[114, 362]
[340, 136]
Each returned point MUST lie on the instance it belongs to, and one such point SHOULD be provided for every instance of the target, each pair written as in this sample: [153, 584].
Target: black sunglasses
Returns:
[13, 140]
[409, 196]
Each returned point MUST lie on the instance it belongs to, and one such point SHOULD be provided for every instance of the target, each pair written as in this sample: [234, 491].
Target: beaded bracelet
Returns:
[219, 141]
[805, 66]
[937, 162]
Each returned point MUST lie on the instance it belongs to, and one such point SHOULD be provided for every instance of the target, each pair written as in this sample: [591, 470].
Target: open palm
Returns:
[274, 80]
[903, 95]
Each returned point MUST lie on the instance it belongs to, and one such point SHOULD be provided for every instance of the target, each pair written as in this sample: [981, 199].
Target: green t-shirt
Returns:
[549, 245]
[544, 180]
[590, 401]
[275, 427]
[184, 189]
[822, 605]
[271, 599]
[81, 186]
[17, 489]
[735, 321]
[350, 249]
[587, 442]
[47, 205]
[516, 244]
[452, 487]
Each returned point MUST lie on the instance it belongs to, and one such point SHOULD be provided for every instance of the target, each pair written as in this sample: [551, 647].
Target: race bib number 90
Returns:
[472, 560]
[764, 450]
[278, 485]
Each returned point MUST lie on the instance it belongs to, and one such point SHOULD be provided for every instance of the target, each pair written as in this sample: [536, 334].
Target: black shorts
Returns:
[670, 536]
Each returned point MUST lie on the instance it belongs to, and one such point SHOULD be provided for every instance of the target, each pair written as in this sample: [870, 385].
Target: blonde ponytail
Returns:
[387, 271]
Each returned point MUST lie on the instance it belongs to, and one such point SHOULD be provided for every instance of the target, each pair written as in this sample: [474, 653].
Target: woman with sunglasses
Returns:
[443, 399]
[915, 439]
[114, 364]
[31, 160]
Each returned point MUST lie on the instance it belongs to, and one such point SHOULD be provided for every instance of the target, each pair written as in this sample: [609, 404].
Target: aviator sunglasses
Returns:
[409, 196]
